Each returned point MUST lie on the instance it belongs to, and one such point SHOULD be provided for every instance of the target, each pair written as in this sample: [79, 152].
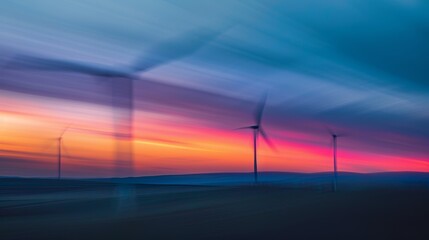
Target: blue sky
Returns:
[359, 66]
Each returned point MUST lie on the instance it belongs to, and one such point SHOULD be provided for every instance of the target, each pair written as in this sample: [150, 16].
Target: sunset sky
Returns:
[351, 66]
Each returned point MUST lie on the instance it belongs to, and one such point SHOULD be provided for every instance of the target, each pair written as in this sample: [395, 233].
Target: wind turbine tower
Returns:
[335, 137]
[60, 141]
[334, 141]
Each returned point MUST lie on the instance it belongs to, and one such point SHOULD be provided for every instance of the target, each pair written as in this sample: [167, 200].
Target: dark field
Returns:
[73, 209]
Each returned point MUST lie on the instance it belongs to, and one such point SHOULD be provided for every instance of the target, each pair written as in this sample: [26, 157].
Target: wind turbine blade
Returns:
[332, 132]
[46, 64]
[329, 130]
[176, 48]
[248, 127]
[260, 109]
[65, 129]
[64, 151]
[267, 139]
[48, 144]
[95, 132]
[342, 135]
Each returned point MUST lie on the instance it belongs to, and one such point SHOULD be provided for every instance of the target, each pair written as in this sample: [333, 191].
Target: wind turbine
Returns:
[122, 78]
[335, 136]
[60, 141]
[257, 129]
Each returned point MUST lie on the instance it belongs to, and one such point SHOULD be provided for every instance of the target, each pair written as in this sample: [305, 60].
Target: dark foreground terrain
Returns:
[75, 209]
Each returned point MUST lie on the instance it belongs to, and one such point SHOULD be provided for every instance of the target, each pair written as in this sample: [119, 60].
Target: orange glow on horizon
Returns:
[165, 144]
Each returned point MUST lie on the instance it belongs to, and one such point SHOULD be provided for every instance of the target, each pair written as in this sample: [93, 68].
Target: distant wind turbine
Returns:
[257, 129]
[122, 78]
[60, 141]
[335, 136]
